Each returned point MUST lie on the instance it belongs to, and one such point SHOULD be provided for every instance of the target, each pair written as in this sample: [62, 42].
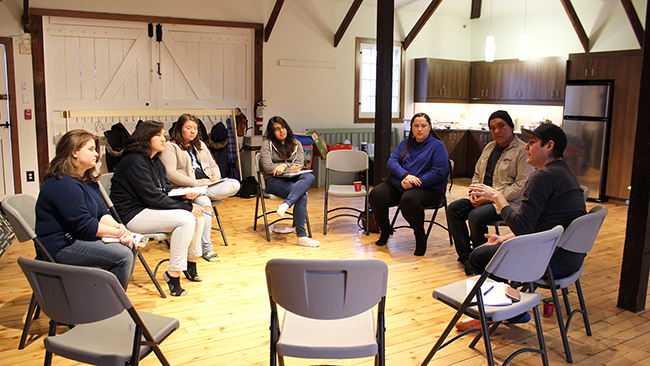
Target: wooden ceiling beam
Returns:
[476, 9]
[420, 23]
[272, 19]
[346, 21]
[573, 17]
[634, 20]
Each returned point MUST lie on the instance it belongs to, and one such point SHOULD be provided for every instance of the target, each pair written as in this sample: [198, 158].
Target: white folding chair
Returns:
[328, 308]
[345, 161]
[579, 237]
[524, 259]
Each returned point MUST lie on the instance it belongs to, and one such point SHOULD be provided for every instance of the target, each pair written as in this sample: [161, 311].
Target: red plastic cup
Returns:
[357, 186]
[548, 307]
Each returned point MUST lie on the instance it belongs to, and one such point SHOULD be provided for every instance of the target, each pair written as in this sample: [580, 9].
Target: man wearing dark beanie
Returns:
[502, 165]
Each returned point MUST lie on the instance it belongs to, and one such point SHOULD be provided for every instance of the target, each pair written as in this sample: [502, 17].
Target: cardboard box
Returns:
[319, 143]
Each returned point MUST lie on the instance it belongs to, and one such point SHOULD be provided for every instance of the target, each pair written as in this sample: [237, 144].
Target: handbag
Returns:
[369, 225]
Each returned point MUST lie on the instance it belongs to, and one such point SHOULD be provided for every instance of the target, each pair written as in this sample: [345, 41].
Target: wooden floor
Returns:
[225, 319]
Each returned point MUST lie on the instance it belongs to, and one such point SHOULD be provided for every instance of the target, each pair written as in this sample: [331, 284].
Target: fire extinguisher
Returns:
[259, 116]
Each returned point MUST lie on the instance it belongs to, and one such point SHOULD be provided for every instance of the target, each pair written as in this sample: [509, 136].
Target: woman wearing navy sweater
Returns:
[418, 178]
[71, 217]
[139, 190]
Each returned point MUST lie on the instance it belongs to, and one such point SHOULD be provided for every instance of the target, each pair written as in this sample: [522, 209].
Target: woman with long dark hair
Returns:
[189, 163]
[281, 154]
[139, 190]
[418, 178]
[71, 217]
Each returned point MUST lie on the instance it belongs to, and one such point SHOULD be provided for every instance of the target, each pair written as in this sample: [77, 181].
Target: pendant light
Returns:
[489, 41]
[524, 38]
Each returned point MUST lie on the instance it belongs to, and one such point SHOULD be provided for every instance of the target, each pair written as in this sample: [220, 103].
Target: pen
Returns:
[488, 290]
[209, 214]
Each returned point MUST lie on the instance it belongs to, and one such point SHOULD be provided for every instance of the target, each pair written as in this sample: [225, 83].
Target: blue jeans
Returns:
[478, 218]
[294, 191]
[113, 257]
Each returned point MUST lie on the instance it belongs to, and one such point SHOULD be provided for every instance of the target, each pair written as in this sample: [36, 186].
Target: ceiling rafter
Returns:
[476, 9]
[272, 19]
[573, 17]
[634, 20]
[346, 21]
[420, 23]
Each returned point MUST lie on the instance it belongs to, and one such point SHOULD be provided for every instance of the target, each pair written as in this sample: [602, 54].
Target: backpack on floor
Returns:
[248, 188]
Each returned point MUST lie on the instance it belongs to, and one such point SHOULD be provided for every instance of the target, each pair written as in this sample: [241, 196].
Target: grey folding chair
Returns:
[498, 223]
[108, 331]
[20, 211]
[345, 161]
[259, 201]
[524, 259]
[328, 308]
[579, 237]
[216, 216]
[435, 208]
[105, 190]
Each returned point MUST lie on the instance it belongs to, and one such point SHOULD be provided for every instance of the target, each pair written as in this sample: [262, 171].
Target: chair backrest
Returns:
[326, 289]
[525, 258]
[21, 214]
[585, 191]
[74, 294]
[346, 161]
[258, 174]
[105, 182]
[580, 236]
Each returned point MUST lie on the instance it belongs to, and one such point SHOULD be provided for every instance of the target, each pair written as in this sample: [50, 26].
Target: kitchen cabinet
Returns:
[456, 143]
[514, 81]
[624, 68]
[441, 80]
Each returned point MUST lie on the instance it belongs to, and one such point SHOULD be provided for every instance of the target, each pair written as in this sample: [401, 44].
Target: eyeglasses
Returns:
[281, 128]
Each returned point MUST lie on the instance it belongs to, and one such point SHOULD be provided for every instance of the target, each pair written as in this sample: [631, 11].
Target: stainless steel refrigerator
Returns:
[587, 114]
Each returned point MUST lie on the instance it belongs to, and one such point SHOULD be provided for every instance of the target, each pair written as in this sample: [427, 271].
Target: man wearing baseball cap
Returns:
[502, 165]
[551, 196]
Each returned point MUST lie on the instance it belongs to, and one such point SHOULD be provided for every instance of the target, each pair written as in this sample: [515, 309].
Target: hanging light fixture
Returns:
[524, 38]
[489, 41]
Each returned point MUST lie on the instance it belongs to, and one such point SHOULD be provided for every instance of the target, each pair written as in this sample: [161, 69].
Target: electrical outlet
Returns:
[30, 176]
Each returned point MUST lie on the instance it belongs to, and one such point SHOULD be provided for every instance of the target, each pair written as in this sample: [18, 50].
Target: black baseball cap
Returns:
[550, 132]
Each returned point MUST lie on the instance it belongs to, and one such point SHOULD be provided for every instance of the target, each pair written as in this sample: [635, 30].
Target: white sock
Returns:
[306, 241]
[282, 209]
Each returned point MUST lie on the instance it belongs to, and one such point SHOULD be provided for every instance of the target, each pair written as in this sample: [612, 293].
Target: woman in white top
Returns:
[189, 163]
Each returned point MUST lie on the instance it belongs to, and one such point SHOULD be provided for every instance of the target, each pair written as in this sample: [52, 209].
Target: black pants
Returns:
[412, 203]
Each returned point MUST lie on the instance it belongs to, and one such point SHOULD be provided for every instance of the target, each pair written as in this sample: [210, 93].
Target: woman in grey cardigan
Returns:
[282, 154]
[189, 164]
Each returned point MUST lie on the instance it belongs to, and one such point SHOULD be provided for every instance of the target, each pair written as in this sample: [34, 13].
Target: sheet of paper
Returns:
[494, 297]
[185, 190]
[289, 175]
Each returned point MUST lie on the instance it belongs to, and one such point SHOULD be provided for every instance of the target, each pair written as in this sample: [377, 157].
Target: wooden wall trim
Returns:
[258, 89]
[142, 18]
[634, 20]
[346, 21]
[580, 30]
[40, 102]
[13, 112]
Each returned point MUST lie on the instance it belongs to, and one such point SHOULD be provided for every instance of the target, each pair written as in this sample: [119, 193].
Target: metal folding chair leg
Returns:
[32, 313]
[151, 274]
[220, 229]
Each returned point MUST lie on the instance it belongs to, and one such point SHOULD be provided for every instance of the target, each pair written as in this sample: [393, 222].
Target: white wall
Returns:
[314, 97]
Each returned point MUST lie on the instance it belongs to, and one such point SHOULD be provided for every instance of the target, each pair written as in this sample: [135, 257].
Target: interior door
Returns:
[6, 171]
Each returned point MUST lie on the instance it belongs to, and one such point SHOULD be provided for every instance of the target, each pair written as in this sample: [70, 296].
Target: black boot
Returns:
[191, 273]
[174, 284]
[383, 238]
[420, 246]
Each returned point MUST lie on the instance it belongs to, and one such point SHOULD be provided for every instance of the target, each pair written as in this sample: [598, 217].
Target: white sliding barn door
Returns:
[111, 65]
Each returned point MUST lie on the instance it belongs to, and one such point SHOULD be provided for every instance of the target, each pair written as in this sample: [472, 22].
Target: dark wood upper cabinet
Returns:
[441, 80]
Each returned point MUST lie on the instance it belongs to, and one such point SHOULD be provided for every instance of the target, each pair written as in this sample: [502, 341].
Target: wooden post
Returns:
[633, 286]
[385, 16]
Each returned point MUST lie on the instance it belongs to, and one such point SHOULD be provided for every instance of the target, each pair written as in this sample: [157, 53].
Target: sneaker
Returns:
[211, 256]
[467, 324]
[306, 241]
[519, 319]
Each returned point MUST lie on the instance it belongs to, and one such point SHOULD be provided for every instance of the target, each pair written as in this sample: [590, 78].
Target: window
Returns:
[366, 81]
